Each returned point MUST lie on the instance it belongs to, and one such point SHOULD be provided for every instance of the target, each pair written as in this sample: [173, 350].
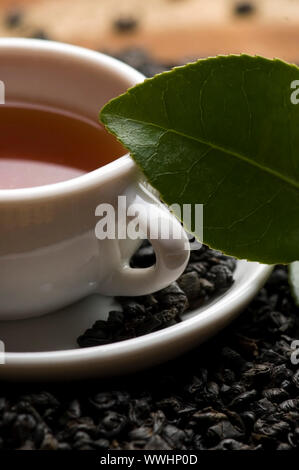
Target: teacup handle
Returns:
[172, 253]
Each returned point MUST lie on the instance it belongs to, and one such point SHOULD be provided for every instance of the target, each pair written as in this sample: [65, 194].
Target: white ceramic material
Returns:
[49, 254]
[44, 348]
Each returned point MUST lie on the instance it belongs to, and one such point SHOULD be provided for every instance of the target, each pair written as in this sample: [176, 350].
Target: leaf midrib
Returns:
[266, 169]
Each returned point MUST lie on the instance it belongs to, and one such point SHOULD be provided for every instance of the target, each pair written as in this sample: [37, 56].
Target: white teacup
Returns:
[49, 253]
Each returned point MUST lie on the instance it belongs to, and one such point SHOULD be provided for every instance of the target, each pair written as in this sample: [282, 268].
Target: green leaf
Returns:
[294, 280]
[222, 132]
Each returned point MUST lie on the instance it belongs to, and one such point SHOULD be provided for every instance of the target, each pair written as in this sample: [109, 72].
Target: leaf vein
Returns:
[272, 172]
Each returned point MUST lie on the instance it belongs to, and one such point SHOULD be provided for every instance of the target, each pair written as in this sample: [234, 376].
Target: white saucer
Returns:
[45, 348]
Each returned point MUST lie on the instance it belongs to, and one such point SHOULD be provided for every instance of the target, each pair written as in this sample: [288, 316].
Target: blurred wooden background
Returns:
[169, 29]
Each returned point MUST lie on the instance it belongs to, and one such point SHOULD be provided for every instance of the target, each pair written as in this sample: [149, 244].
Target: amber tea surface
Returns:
[40, 146]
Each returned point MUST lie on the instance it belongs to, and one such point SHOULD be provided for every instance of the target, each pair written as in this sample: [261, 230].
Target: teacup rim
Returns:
[117, 167]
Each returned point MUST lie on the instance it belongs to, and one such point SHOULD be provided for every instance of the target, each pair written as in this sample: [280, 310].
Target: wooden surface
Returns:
[169, 29]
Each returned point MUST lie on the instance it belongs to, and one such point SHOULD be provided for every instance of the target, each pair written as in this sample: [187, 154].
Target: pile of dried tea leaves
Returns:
[238, 391]
[207, 274]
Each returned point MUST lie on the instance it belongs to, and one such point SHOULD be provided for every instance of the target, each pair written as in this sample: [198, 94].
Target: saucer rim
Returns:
[220, 312]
